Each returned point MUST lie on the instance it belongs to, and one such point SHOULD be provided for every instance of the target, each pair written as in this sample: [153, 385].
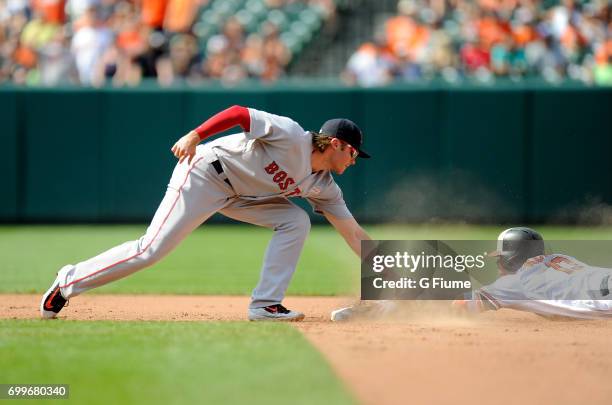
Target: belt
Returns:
[219, 169]
[604, 289]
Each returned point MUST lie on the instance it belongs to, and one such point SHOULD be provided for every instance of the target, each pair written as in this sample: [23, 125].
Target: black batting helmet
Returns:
[516, 245]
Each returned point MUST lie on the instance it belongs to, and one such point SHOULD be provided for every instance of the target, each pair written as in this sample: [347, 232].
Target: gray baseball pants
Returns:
[195, 192]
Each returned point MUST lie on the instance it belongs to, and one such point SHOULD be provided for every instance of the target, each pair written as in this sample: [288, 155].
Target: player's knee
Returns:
[149, 254]
[149, 258]
[301, 222]
[298, 224]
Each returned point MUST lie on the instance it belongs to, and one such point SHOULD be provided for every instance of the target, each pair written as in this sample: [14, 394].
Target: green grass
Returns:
[212, 260]
[217, 259]
[169, 362]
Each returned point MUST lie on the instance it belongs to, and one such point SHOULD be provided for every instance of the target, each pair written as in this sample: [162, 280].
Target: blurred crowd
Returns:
[487, 39]
[95, 42]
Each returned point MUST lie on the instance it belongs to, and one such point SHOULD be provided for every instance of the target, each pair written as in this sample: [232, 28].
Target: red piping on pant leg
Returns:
[152, 240]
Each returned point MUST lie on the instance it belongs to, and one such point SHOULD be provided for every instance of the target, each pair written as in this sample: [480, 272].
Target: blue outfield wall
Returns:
[499, 155]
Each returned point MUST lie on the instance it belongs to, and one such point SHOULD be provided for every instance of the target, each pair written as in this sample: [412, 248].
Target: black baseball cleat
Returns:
[52, 302]
[275, 312]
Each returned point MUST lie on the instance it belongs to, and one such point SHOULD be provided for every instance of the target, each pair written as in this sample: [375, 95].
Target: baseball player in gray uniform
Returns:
[248, 176]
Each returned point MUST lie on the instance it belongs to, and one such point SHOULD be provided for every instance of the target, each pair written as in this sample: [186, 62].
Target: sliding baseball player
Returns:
[249, 176]
[551, 285]
[545, 284]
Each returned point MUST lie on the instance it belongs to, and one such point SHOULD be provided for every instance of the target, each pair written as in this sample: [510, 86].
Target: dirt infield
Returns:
[161, 307]
[430, 356]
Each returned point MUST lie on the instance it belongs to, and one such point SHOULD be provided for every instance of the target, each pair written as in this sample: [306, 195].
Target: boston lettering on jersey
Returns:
[281, 178]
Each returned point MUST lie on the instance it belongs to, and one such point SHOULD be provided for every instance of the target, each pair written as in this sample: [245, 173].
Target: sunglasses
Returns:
[354, 152]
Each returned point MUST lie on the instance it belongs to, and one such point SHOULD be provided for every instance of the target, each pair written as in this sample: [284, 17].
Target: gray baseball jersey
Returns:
[273, 160]
[553, 284]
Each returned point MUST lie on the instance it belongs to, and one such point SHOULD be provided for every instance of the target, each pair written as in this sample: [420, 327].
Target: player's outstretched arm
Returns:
[350, 230]
[185, 147]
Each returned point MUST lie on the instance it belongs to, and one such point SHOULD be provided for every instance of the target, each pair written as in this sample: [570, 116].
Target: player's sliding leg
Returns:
[194, 193]
[291, 226]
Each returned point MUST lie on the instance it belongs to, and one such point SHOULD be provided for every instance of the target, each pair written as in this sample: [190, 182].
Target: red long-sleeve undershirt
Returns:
[226, 119]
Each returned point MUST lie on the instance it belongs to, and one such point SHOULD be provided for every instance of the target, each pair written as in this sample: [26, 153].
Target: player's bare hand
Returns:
[185, 147]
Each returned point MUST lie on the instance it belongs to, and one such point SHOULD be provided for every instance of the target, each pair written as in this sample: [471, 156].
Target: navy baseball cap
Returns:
[347, 131]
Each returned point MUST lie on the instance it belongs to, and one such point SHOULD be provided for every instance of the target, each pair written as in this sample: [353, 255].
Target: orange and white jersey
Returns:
[553, 285]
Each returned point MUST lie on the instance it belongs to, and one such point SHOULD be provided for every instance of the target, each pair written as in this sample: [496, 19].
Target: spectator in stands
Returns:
[14, 7]
[38, 31]
[234, 34]
[183, 55]
[485, 38]
[89, 43]
[56, 63]
[52, 11]
[76, 8]
[12, 21]
[454, 39]
[475, 56]
[603, 72]
[370, 66]
[275, 54]
[405, 67]
[251, 56]
[153, 13]
[180, 15]
[440, 56]
[123, 61]
[126, 41]
[603, 62]
[34, 36]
